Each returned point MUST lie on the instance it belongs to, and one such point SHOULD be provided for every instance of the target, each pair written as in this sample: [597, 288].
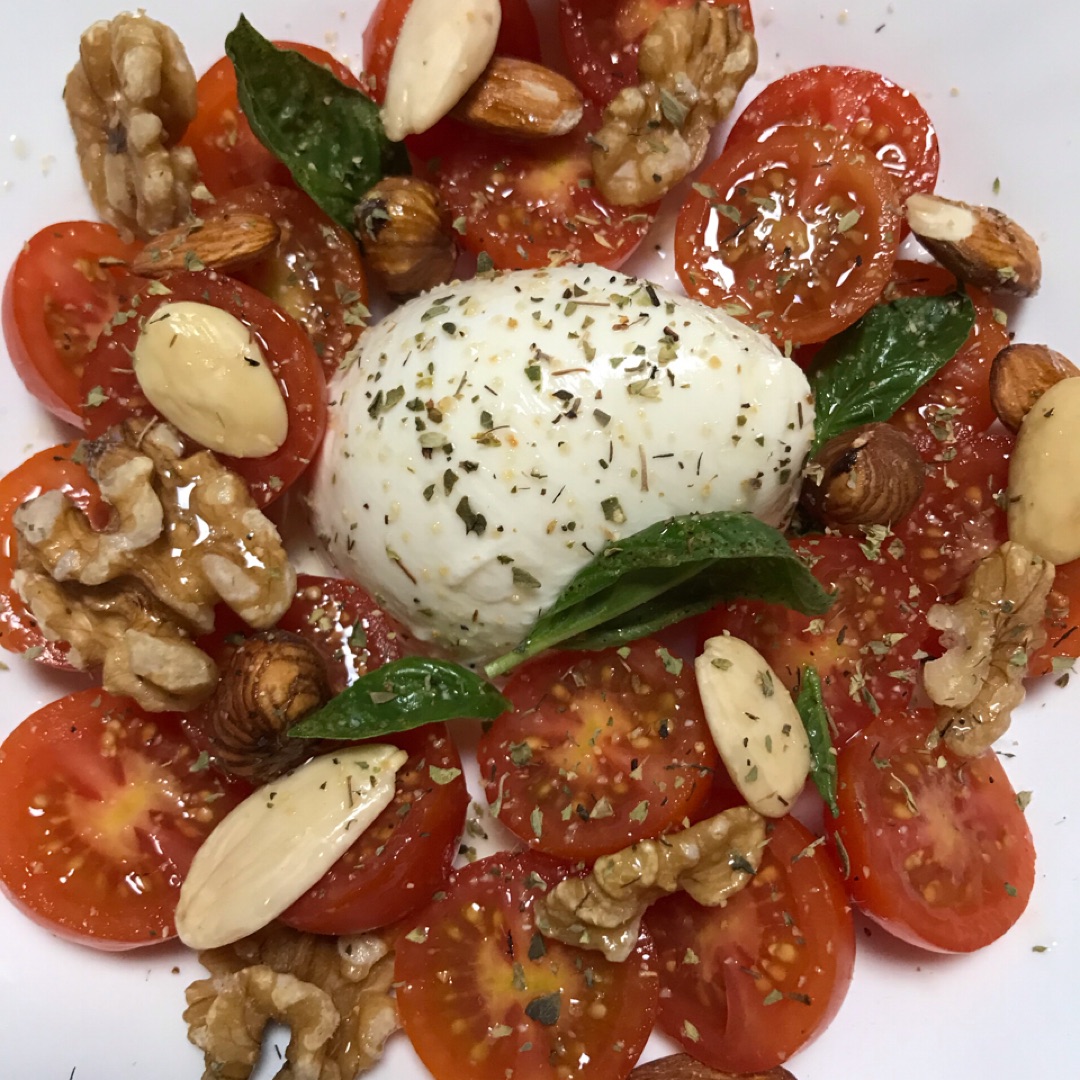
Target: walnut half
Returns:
[130, 99]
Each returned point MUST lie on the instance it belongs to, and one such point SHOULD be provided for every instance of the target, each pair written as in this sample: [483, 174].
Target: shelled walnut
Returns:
[130, 98]
[184, 535]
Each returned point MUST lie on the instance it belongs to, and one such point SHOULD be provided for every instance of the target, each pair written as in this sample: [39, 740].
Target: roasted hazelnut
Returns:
[871, 475]
[271, 682]
[405, 235]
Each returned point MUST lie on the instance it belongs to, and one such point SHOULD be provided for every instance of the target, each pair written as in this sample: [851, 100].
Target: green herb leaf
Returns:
[327, 134]
[666, 573]
[866, 373]
[545, 1009]
[401, 695]
[815, 718]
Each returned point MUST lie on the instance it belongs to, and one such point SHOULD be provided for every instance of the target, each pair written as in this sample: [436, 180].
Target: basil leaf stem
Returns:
[815, 718]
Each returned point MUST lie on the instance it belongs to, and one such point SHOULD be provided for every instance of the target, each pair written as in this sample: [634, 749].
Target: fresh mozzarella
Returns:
[495, 434]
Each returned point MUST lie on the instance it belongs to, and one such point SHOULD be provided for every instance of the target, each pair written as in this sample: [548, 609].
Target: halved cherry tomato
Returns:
[1062, 622]
[63, 289]
[795, 234]
[956, 402]
[523, 203]
[403, 858]
[863, 648]
[870, 109]
[227, 150]
[48, 470]
[939, 849]
[105, 808]
[602, 39]
[959, 519]
[601, 750]
[111, 392]
[745, 985]
[482, 994]
[315, 273]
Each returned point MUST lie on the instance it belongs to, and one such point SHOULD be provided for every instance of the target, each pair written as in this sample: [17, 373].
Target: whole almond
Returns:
[684, 1067]
[1020, 375]
[980, 245]
[218, 243]
[521, 99]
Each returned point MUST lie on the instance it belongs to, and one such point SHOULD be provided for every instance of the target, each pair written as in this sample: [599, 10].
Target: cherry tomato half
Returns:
[747, 984]
[111, 392]
[940, 851]
[105, 807]
[601, 750]
[63, 289]
[1062, 622]
[483, 994]
[796, 234]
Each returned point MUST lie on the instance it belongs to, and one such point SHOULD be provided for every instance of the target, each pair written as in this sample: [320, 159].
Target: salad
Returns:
[116, 1009]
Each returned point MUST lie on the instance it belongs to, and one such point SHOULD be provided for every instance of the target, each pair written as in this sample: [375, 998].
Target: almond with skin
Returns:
[220, 243]
[1020, 375]
[684, 1067]
[521, 99]
[980, 245]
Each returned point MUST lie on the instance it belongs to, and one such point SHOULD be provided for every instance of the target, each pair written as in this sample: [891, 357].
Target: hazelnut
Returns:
[404, 234]
[272, 681]
[1020, 375]
[871, 475]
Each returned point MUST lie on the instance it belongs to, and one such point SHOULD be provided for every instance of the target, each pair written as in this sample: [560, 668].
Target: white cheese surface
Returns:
[495, 434]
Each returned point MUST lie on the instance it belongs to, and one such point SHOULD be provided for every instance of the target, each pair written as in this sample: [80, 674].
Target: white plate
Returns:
[1002, 85]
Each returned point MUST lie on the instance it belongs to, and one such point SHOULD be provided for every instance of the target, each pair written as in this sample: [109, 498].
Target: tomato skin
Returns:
[57, 300]
[315, 274]
[863, 105]
[287, 349]
[747, 1010]
[404, 857]
[600, 751]
[47, 470]
[864, 647]
[227, 150]
[472, 963]
[790, 264]
[940, 851]
[602, 39]
[522, 201]
[105, 807]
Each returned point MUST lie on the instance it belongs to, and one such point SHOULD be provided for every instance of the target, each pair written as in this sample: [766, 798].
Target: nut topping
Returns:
[522, 99]
[871, 475]
[979, 244]
[684, 1067]
[219, 243]
[1020, 375]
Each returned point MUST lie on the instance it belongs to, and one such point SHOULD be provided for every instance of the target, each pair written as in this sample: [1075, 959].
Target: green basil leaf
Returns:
[666, 572]
[401, 695]
[866, 373]
[815, 718]
[328, 135]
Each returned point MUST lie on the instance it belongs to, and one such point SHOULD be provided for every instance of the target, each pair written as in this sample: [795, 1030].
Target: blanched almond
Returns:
[214, 244]
[522, 99]
[1020, 375]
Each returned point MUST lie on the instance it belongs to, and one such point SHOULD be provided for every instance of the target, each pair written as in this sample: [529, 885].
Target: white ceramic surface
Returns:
[1001, 82]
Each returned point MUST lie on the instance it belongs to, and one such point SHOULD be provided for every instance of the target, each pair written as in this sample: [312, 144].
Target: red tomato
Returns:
[523, 202]
[958, 520]
[228, 151]
[315, 273]
[863, 648]
[602, 39]
[796, 234]
[865, 106]
[400, 862]
[1062, 621]
[482, 994]
[745, 985]
[62, 291]
[46, 471]
[939, 849]
[105, 806]
[111, 392]
[601, 750]
[956, 402]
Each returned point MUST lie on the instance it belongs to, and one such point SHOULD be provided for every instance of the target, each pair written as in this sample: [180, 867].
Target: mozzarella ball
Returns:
[494, 435]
